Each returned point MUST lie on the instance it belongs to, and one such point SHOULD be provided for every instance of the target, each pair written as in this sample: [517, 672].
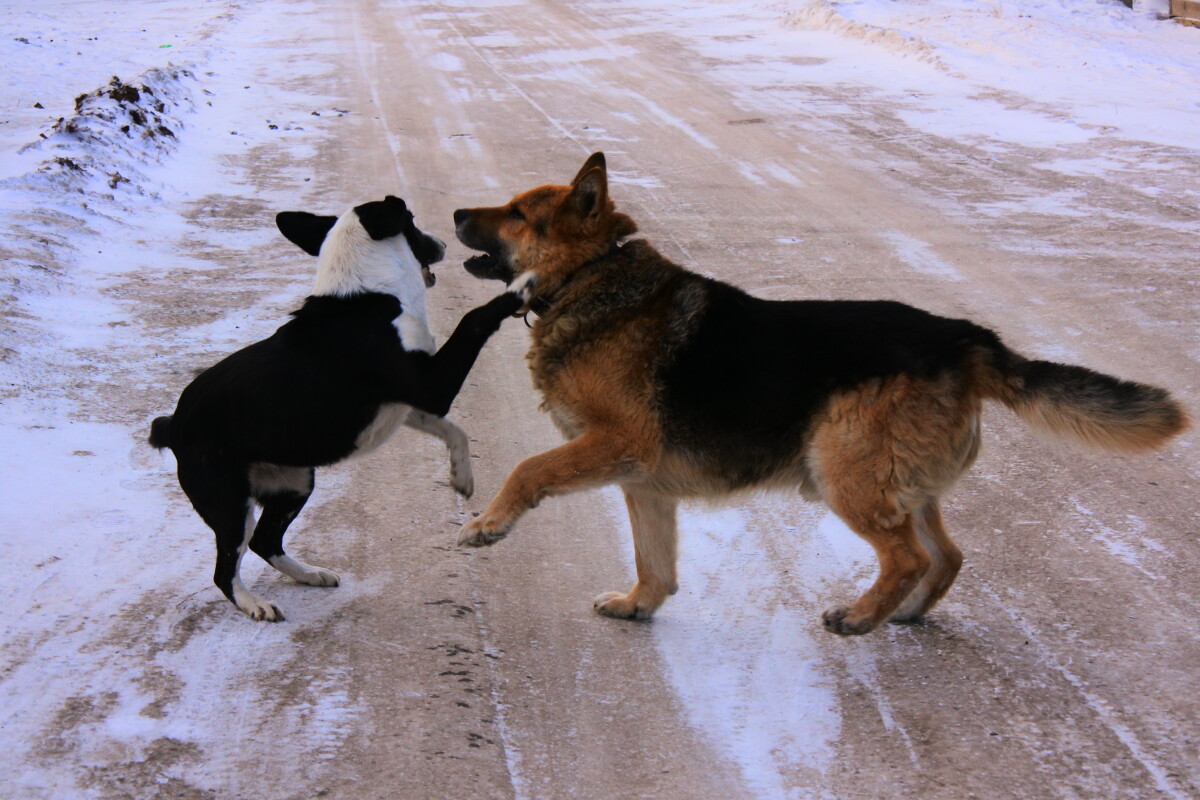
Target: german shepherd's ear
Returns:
[595, 160]
[306, 231]
[589, 190]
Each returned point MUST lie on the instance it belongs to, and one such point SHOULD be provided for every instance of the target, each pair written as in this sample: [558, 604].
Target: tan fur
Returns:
[883, 454]
[1078, 406]
[879, 454]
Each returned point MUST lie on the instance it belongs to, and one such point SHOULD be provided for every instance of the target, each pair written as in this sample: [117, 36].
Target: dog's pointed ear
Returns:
[590, 193]
[595, 161]
[306, 231]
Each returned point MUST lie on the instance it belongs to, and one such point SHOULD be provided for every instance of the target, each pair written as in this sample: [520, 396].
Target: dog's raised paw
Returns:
[523, 286]
[476, 533]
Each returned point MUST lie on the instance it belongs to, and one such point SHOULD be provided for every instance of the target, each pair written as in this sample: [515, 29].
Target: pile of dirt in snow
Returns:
[90, 164]
[115, 129]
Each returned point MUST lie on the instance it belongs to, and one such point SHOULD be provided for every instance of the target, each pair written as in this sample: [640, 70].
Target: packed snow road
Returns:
[787, 148]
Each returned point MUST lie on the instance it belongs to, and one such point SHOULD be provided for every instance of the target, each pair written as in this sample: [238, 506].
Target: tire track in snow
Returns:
[741, 641]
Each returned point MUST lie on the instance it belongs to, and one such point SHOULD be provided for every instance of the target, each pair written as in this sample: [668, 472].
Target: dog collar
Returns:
[540, 305]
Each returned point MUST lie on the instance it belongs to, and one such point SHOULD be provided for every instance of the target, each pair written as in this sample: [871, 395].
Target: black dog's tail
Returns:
[160, 433]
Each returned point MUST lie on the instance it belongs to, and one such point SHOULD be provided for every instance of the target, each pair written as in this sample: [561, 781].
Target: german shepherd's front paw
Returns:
[523, 286]
[479, 533]
[621, 606]
[842, 621]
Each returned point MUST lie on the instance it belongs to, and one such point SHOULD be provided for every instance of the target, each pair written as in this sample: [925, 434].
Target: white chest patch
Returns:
[414, 333]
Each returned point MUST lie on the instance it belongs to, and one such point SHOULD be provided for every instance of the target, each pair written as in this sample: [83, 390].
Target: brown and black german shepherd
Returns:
[674, 385]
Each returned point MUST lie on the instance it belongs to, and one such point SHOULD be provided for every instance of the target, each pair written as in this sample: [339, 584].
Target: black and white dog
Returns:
[354, 363]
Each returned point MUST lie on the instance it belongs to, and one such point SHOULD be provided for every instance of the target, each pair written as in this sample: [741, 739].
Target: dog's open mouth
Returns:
[489, 267]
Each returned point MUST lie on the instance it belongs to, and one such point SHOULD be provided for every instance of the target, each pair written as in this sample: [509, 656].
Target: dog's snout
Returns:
[460, 216]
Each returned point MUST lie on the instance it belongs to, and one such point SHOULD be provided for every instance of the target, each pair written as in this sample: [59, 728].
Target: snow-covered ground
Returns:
[1039, 74]
[119, 118]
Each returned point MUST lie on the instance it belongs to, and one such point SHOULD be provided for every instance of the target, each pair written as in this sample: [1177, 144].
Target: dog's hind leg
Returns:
[594, 459]
[282, 492]
[461, 477]
[946, 558]
[220, 493]
[862, 468]
[881, 457]
[655, 541]
[902, 564]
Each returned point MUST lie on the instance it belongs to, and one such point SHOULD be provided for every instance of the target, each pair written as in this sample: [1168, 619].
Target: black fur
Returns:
[743, 388]
[739, 378]
[302, 396]
[383, 219]
[253, 428]
[307, 231]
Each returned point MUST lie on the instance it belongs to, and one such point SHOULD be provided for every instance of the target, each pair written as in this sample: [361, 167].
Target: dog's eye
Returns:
[515, 213]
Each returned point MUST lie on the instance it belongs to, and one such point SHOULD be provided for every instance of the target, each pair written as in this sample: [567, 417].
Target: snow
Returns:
[85, 204]
[94, 535]
[919, 256]
[1034, 72]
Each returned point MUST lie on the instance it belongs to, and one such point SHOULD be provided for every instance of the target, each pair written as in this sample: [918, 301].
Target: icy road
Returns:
[1030, 164]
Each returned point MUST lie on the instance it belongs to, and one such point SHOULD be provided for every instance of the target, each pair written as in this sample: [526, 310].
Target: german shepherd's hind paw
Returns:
[477, 533]
[620, 606]
[840, 620]
[523, 286]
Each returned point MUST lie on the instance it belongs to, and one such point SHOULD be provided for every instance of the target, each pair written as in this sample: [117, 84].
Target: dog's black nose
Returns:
[460, 216]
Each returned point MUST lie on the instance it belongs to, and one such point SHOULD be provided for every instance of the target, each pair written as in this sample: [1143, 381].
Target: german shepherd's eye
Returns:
[515, 213]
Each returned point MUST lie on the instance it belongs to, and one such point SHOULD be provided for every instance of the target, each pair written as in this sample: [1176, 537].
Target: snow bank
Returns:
[1109, 68]
[819, 15]
[104, 677]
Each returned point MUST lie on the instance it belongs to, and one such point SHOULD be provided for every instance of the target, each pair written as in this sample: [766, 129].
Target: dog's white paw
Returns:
[319, 576]
[462, 479]
[523, 286]
[304, 573]
[259, 610]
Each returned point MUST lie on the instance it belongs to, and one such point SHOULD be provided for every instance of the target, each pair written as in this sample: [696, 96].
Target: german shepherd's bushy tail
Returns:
[1089, 407]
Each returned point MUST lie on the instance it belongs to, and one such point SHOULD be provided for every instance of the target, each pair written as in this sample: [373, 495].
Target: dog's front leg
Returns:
[655, 541]
[461, 477]
[593, 459]
[442, 375]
